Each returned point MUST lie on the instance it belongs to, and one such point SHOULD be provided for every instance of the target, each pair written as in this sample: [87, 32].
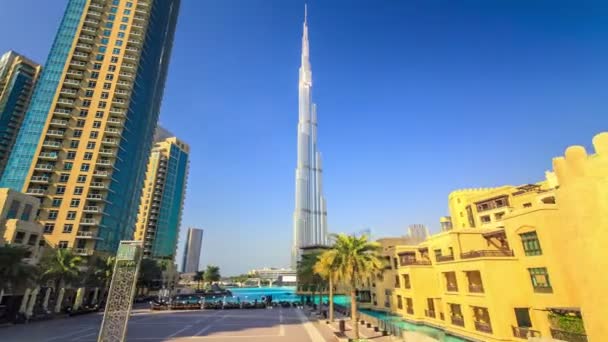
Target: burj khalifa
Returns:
[310, 215]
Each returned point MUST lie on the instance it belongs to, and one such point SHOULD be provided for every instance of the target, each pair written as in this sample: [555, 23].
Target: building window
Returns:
[60, 191]
[53, 214]
[71, 215]
[19, 236]
[81, 179]
[397, 283]
[64, 177]
[32, 239]
[84, 167]
[527, 205]
[83, 113]
[99, 114]
[451, 283]
[475, 283]
[540, 279]
[481, 318]
[437, 253]
[90, 145]
[92, 84]
[71, 155]
[74, 143]
[456, 314]
[80, 123]
[531, 243]
[78, 190]
[114, 59]
[485, 219]
[96, 124]
[88, 156]
[77, 133]
[49, 227]
[74, 203]
[62, 244]
[399, 302]
[93, 135]
[13, 210]
[67, 166]
[67, 228]
[406, 281]
[27, 212]
[88, 93]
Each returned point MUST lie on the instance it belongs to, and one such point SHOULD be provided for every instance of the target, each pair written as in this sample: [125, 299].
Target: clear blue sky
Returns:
[416, 99]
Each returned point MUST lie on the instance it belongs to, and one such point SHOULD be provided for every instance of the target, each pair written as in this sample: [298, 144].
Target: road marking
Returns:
[281, 326]
[68, 335]
[312, 332]
[78, 338]
[180, 331]
[209, 325]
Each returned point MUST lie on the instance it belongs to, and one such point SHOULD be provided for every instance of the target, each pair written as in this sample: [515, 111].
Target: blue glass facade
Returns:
[169, 218]
[22, 155]
[123, 198]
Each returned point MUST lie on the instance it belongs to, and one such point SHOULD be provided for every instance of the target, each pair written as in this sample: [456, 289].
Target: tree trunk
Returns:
[331, 300]
[321, 300]
[353, 309]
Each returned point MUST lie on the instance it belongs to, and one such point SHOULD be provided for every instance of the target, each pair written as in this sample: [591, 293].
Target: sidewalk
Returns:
[327, 330]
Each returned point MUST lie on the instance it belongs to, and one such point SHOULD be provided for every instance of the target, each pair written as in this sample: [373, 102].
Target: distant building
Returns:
[418, 232]
[162, 197]
[272, 273]
[18, 76]
[192, 251]
[17, 222]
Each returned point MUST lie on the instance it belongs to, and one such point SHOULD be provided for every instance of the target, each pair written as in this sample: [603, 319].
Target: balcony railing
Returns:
[475, 288]
[524, 333]
[407, 262]
[568, 336]
[457, 321]
[409, 310]
[543, 289]
[483, 327]
[442, 258]
[487, 253]
[429, 313]
[83, 251]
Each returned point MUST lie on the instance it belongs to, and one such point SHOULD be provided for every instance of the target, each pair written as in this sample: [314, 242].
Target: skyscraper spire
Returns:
[310, 215]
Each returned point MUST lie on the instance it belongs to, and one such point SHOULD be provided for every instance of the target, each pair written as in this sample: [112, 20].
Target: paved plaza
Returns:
[280, 325]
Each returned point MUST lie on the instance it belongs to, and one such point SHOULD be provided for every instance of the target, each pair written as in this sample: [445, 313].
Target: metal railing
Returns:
[442, 258]
[524, 333]
[457, 321]
[568, 336]
[483, 327]
[487, 253]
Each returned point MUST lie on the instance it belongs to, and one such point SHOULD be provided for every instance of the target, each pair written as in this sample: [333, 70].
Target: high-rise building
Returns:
[18, 75]
[310, 215]
[192, 250]
[87, 134]
[162, 198]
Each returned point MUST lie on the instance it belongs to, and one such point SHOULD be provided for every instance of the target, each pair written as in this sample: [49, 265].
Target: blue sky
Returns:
[415, 99]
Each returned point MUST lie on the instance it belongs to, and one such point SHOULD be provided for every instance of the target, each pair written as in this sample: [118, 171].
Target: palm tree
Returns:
[104, 269]
[325, 267]
[62, 266]
[198, 277]
[13, 271]
[356, 258]
[149, 274]
[212, 273]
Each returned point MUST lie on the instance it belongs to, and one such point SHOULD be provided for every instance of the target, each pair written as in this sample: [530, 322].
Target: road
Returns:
[271, 325]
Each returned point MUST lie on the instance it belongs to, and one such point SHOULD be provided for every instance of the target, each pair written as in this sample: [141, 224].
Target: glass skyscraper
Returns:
[86, 137]
[162, 198]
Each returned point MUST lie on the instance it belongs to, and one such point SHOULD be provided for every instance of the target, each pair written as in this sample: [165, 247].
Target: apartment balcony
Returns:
[126, 75]
[96, 6]
[78, 64]
[92, 209]
[444, 258]
[108, 152]
[84, 47]
[75, 74]
[118, 112]
[43, 167]
[89, 222]
[120, 103]
[111, 142]
[85, 38]
[52, 144]
[142, 4]
[568, 336]
[93, 14]
[112, 132]
[483, 327]
[114, 121]
[415, 262]
[55, 133]
[122, 93]
[130, 57]
[71, 82]
[83, 251]
[39, 179]
[35, 192]
[66, 102]
[98, 197]
[124, 85]
[496, 253]
[48, 155]
[525, 333]
[456, 320]
[139, 26]
[135, 41]
[59, 123]
[81, 55]
[102, 174]
[132, 49]
[68, 92]
[89, 29]
[88, 235]
[104, 163]
[98, 185]
[139, 18]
